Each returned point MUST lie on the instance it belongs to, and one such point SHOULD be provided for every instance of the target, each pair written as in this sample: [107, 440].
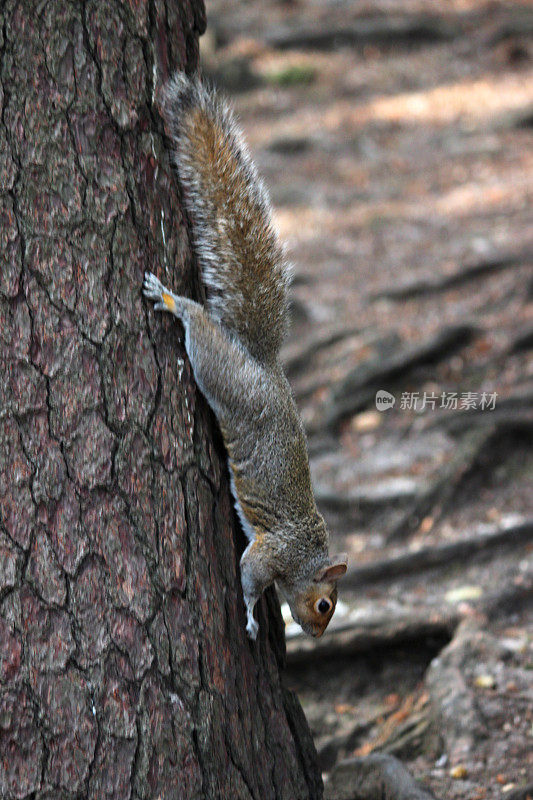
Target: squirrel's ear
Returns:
[335, 569]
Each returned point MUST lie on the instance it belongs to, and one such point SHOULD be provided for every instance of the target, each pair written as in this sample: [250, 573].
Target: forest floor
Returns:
[397, 146]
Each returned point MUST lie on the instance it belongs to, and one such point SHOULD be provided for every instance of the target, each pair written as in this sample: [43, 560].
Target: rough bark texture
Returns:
[124, 666]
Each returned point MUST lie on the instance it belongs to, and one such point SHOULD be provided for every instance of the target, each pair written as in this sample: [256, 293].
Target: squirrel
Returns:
[233, 344]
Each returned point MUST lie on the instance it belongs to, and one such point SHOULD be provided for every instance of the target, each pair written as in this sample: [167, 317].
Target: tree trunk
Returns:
[125, 670]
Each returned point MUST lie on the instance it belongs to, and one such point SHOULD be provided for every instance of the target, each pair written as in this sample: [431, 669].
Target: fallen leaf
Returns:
[392, 699]
[463, 593]
[485, 682]
[367, 421]
[344, 708]
[389, 724]
[426, 525]
[364, 750]
[459, 772]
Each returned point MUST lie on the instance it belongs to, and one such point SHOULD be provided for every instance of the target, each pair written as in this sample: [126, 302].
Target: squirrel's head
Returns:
[312, 604]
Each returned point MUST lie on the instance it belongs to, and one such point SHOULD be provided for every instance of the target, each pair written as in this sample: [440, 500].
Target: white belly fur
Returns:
[247, 528]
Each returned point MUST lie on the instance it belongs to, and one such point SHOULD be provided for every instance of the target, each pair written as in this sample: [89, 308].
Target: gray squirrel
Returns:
[233, 344]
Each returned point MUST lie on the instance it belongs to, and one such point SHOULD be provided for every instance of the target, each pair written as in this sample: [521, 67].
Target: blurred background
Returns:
[395, 137]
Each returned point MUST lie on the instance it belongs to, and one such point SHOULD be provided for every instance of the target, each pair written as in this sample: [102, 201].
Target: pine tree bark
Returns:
[125, 670]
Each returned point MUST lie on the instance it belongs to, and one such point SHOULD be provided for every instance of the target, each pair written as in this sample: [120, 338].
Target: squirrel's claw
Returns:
[152, 287]
[252, 627]
[163, 298]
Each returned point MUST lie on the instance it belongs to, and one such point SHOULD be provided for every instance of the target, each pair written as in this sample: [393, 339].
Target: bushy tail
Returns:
[240, 257]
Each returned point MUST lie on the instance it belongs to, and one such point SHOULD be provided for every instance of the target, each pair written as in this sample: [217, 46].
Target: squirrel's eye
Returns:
[322, 605]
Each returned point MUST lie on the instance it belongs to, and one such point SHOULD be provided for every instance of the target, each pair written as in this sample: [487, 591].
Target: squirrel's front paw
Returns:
[252, 627]
[152, 287]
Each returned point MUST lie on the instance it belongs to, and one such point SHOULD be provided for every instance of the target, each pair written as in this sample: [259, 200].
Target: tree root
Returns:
[440, 555]
[378, 776]
[440, 493]
[373, 632]
[467, 273]
[297, 357]
[358, 388]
